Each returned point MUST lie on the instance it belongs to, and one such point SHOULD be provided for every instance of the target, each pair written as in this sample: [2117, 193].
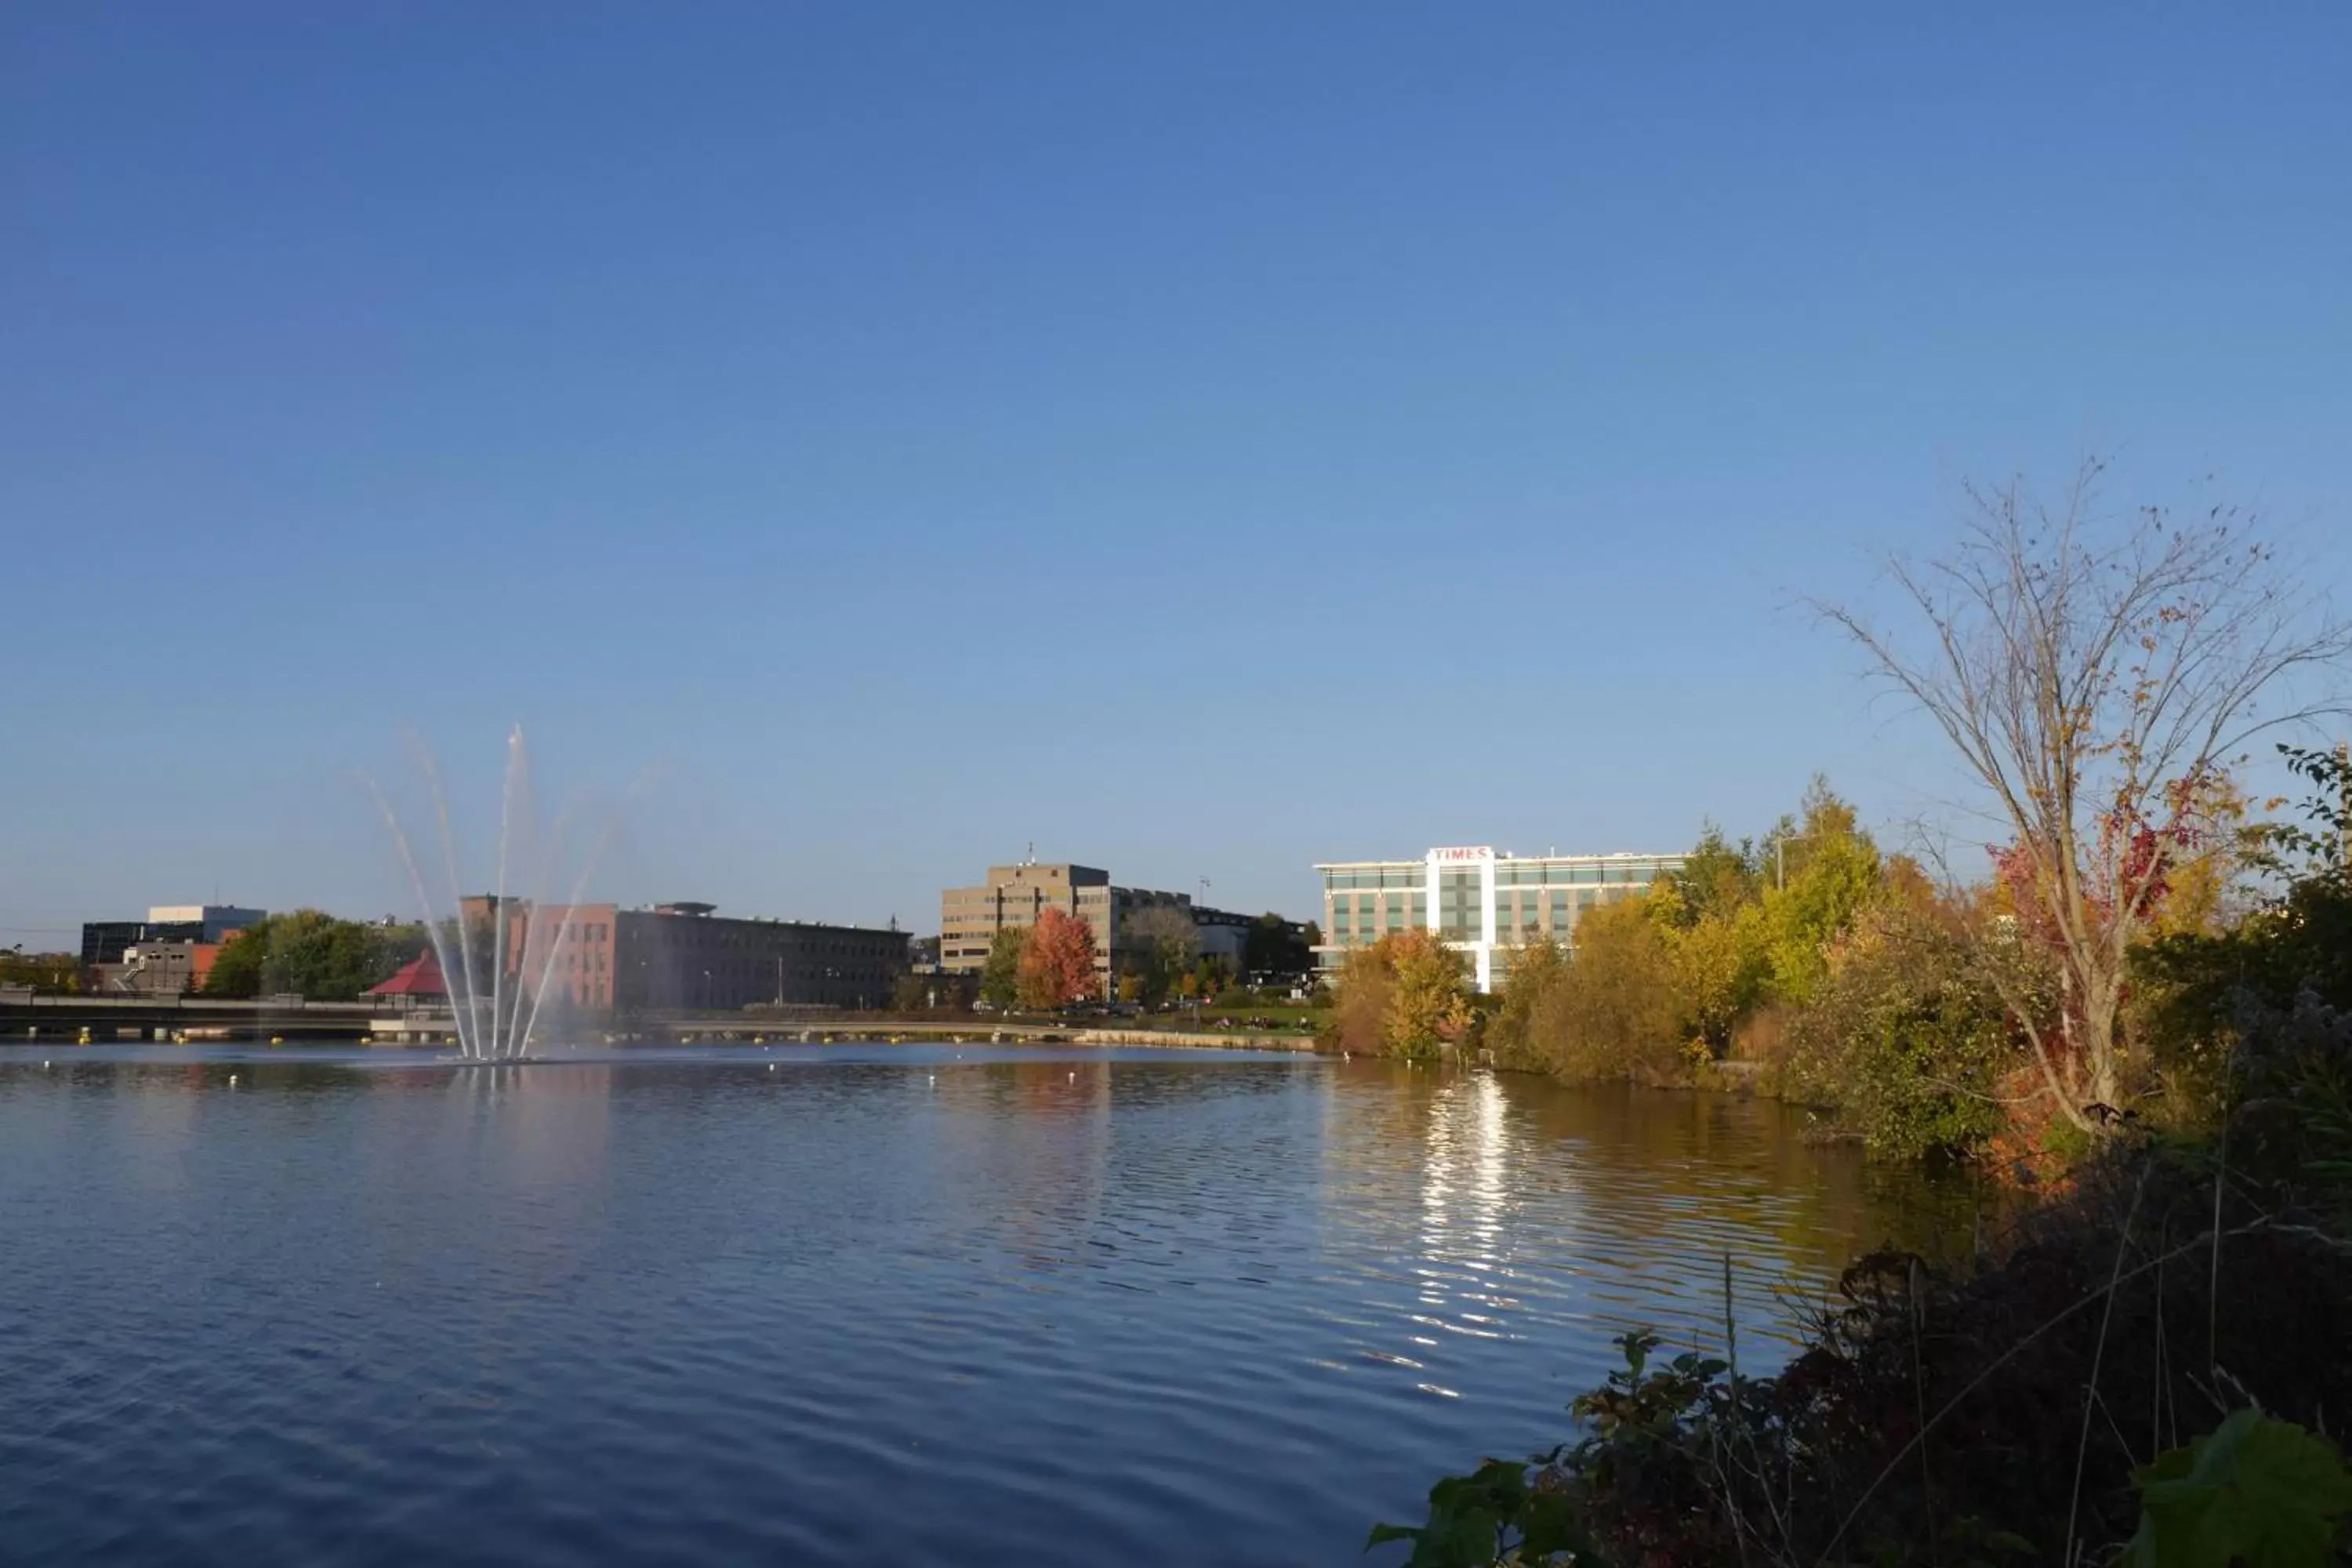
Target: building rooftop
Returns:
[421, 976]
[1498, 855]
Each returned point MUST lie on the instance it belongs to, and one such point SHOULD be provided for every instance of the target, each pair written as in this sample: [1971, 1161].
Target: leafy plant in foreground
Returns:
[2255, 1490]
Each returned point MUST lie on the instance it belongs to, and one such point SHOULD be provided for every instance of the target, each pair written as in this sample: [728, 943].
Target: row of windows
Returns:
[1392, 908]
[1555, 911]
[1528, 873]
[1535, 873]
[1413, 875]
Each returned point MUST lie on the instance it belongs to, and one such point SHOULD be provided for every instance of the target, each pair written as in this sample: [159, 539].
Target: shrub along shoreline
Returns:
[2154, 1366]
[1804, 965]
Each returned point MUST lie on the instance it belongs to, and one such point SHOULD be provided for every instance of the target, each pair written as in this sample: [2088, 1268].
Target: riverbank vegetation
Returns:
[1806, 963]
[2154, 1368]
[2142, 1007]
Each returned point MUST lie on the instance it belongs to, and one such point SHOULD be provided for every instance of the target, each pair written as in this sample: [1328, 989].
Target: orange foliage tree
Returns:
[1058, 963]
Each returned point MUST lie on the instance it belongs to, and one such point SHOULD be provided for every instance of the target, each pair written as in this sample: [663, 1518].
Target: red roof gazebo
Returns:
[420, 978]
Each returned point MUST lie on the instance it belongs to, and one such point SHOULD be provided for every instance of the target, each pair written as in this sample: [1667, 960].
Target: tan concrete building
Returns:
[157, 968]
[970, 918]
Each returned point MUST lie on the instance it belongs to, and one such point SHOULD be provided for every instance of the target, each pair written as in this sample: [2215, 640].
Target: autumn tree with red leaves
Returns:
[2098, 677]
[1057, 962]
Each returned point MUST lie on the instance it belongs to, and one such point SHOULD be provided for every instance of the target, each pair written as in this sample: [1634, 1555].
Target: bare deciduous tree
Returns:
[2100, 676]
[1157, 943]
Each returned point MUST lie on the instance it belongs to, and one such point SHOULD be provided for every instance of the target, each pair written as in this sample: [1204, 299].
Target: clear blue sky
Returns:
[1201, 440]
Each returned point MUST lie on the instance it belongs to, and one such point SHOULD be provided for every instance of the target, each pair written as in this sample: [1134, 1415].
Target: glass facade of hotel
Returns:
[1480, 901]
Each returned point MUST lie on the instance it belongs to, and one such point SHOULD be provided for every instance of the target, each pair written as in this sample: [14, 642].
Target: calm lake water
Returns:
[880, 1305]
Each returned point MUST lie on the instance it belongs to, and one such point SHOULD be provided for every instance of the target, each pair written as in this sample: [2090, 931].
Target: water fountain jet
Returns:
[500, 1026]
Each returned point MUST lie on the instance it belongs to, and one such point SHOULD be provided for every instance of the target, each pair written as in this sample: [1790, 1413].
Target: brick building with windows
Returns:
[683, 957]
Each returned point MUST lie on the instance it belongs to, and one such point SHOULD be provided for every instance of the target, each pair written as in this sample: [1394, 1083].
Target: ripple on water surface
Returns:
[879, 1306]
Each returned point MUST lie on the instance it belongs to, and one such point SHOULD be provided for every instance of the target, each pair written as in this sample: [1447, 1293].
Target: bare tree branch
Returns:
[2098, 677]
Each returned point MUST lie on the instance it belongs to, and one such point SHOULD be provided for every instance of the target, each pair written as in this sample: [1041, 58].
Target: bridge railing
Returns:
[14, 997]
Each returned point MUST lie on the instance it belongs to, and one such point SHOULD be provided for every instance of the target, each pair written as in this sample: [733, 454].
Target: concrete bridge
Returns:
[24, 1015]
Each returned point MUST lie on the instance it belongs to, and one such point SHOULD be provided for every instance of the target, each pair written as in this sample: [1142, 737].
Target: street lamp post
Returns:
[1780, 859]
[1200, 1001]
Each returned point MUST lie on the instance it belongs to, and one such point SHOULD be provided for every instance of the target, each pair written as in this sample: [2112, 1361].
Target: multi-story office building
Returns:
[211, 922]
[600, 958]
[103, 942]
[170, 950]
[1481, 902]
[970, 918]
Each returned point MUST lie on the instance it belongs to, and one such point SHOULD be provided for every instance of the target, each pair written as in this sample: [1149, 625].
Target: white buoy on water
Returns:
[232, 1081]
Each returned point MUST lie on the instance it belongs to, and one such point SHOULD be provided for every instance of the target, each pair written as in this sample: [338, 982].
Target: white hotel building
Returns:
[1483, 904]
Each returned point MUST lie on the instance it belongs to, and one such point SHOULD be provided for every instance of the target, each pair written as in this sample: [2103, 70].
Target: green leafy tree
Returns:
[2193, 992]
[1162, 944]
[1722, 966]
[1517, 1031]
[1428, 1002]
[1825, 872]
[1717, 879]
[1214, 974]
[1905, 1037]
[311, 953]
[1272, 947]
[999, 977]
[52, 972]
[1617, 1013]
[1406, 994]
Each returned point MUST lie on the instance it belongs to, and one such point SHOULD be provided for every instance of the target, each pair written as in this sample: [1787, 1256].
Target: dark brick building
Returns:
[684, 957]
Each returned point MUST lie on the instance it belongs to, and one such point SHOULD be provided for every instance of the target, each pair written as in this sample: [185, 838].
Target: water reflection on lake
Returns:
[837, 1305]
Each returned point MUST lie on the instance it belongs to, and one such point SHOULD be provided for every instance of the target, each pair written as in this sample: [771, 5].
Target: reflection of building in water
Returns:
[1465, 1196]
[600, 958]
[1426, 1173]
[1482, 903]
